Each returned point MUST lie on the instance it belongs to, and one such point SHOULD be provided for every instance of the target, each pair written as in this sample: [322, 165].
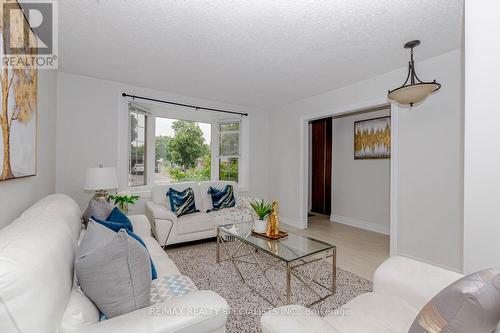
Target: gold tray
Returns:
[282, 234]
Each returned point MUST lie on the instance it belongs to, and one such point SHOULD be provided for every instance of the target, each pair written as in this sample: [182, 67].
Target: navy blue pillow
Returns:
[117, 216]
[116, 221]
[182, 203]
[222, 198]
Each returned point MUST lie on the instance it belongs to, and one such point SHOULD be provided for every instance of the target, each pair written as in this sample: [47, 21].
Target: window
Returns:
[229, 151]
[163, 147]
[182, 150]
[137, 147]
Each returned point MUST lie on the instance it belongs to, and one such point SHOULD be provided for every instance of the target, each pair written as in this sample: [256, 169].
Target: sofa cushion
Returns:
[471, 304]
[194, 223]
[374, 313]
[222, 198]
[80, 312]
[182, 203]
[113, 270]
[98, 208]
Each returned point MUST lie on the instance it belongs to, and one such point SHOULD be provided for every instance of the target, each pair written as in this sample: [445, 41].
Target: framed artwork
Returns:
[18, 106]
[372, 138]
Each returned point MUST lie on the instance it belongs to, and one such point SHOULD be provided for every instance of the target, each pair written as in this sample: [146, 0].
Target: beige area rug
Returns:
[198, 262]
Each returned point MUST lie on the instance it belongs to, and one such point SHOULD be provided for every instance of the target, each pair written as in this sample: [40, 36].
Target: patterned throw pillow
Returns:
[471, 304]
[222, 198]
[168, 287]
[182, 203]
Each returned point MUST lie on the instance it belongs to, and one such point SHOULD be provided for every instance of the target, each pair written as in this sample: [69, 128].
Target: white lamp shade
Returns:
[413, 93]
[101, 179]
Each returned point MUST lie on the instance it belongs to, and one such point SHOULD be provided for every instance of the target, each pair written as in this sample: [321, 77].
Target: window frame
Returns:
[134, 109]
[161, 111]
[218, 125]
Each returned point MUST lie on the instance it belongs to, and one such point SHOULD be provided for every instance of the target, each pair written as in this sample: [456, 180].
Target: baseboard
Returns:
[381, 229]
[290, 222]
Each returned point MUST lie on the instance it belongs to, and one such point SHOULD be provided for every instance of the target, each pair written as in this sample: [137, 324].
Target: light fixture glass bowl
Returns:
[413, 93]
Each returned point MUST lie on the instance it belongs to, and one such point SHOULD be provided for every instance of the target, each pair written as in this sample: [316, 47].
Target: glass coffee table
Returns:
[293, 251]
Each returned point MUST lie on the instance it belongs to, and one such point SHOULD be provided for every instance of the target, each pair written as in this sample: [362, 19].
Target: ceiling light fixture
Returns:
[413, 90]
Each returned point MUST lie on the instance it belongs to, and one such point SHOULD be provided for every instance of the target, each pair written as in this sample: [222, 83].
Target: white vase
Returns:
[260, 226]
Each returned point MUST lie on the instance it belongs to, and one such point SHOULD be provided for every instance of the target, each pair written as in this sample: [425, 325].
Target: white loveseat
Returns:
[401, 287]
[170, 229]
[37, 292]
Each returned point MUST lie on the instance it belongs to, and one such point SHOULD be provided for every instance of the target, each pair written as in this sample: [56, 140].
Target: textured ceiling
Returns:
[259, 53]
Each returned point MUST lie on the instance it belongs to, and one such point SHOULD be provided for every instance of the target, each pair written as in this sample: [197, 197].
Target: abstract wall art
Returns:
[372, 138]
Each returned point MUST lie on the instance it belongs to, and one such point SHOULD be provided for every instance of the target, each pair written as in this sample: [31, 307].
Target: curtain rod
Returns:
[181, 104]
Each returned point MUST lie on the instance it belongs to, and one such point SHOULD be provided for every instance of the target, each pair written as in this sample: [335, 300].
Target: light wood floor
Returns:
[358, 251]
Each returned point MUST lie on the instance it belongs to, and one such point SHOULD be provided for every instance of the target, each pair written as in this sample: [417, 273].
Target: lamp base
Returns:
[101, 195]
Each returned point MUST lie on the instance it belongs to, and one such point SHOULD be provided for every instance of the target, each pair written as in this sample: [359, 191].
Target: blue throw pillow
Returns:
[117, 216]
[182, 203]
[222, 198]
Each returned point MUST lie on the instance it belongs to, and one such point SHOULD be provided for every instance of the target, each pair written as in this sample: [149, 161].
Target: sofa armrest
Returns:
[160, 212]
[294, 318]
[201, 311]
[141, 225]
[414, 281]
[162, 220]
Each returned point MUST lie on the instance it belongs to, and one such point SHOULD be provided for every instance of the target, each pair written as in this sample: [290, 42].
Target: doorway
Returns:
[321, 166]
[305, 154]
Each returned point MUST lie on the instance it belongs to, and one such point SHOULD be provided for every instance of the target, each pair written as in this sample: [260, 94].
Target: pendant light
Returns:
[413, 90]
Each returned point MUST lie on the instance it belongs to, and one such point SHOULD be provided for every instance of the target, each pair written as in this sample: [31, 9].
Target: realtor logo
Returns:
[29, 33]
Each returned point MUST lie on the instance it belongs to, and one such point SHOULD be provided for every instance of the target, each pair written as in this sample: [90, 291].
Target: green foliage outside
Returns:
[204, 173]
[161, 148]
[183, 151]
[189, 157]
[187, 145]
[228, 170]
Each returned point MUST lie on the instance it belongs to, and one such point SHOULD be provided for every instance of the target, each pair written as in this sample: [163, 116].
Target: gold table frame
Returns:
[234, 257]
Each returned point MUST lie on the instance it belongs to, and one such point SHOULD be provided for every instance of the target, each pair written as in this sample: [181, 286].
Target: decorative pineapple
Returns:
[273, 227]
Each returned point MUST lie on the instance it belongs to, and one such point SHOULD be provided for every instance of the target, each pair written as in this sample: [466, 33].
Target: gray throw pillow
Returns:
[113, 270]
[471, 304]
[98, 208]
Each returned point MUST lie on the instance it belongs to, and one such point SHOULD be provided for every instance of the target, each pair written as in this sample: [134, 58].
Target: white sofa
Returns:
[401, 287]
[170, 229]
[37, 293]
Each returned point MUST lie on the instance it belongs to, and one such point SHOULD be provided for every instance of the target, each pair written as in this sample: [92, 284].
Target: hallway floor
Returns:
[358, 251]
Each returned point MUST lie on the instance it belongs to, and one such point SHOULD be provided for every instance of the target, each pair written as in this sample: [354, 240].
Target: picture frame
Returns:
[19, 117]
[372, 138]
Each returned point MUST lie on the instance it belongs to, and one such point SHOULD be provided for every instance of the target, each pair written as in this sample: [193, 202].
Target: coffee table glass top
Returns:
[291, 248]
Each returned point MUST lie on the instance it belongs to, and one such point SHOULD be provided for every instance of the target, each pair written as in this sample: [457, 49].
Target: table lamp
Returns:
[101, 179]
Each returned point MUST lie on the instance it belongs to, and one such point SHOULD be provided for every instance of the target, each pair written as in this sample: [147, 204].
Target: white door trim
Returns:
[304, 165]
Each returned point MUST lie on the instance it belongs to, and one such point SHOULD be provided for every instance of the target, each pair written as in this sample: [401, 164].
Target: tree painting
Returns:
[19, 100]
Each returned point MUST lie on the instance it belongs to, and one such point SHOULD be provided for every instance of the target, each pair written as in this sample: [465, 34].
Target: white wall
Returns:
[430, 158]
[482, 141]
[88, 132]
[360, 188]
[18, 194]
